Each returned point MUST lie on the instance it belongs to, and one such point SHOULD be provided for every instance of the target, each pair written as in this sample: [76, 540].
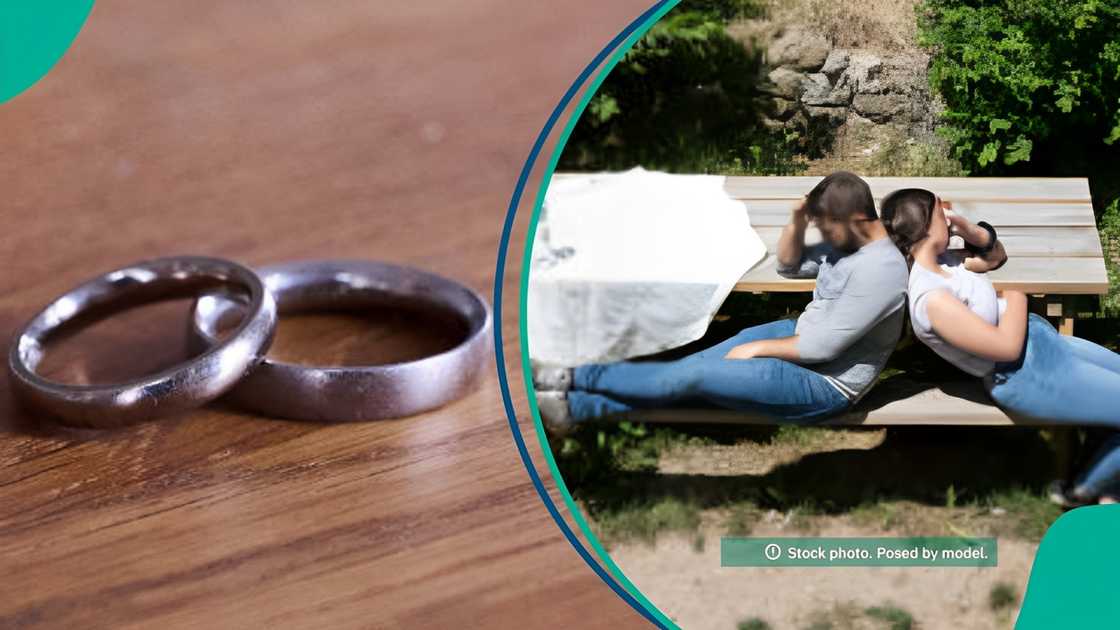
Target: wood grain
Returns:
[265, 132]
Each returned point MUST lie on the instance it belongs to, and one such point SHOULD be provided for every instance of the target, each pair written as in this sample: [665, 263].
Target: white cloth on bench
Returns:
[632, 263]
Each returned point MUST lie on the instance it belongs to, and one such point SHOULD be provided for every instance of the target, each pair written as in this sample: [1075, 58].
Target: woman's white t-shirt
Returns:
[973, 289]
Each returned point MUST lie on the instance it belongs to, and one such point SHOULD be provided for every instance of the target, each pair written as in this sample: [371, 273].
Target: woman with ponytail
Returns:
[1027, 367]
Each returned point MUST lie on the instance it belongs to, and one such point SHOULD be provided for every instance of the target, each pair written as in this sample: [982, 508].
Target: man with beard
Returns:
[797, 372]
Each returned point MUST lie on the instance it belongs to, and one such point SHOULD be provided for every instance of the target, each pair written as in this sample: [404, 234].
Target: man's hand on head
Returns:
[799, 214]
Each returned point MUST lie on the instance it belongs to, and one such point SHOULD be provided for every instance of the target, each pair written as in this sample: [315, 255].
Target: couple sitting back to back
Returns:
[868, 269]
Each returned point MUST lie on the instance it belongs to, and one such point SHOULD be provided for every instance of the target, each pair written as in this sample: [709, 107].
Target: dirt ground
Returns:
[680, 571]
[692, 589]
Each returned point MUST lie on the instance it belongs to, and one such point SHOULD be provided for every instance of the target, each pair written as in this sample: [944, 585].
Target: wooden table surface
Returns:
[264, 132]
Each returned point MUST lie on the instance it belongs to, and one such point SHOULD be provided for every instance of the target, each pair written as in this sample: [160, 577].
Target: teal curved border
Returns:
[534, 219]
[1073, 579]
[34, 36]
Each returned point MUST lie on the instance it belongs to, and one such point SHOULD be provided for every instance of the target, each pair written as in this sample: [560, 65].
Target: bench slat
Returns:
[1018, 241]
[1070, 189]
[1055, 275]
[1049, 189]
[775, 212]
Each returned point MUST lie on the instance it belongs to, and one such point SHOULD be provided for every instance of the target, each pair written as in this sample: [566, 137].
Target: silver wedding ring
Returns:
[351, 393]
[182, 386]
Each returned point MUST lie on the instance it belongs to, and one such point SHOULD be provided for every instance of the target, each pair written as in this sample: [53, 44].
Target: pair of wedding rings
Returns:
[234, 362]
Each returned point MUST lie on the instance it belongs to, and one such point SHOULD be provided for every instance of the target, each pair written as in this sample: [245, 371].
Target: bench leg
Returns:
[1066, 327]
[1067, 443]
[1062, 308]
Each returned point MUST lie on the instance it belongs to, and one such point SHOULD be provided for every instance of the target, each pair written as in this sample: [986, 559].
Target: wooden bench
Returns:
[1047, 227]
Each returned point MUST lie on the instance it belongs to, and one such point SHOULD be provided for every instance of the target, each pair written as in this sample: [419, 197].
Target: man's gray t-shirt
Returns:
[849, 330]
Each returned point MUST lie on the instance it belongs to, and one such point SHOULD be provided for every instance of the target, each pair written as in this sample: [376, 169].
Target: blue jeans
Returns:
[770, 386]
[1066, 380]
[1102, 473]
[1060, 379]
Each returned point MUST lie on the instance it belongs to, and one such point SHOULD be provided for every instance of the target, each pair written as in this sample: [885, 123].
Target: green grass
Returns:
[742, 518]
[803, 516]
[841, 616]
[1029, 513]
[644, 521]
[904, 157]
[882, 515]
[895, 617]
[699, 543]
[754, 623]
[1002, 595]
[801, 436]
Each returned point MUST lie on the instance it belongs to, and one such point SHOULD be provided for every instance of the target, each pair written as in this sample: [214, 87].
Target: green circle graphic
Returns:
[34, 34]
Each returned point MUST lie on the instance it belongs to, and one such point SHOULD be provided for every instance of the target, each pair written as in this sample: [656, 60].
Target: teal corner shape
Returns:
[1074, 576]
[34, 35]
[581, 521]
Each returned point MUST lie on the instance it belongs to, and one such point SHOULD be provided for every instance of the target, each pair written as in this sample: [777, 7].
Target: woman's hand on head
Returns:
[958, 224]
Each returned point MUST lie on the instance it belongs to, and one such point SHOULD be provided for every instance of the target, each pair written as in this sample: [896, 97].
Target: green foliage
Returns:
[1021, 75]
[1032, 87]
[683, 99]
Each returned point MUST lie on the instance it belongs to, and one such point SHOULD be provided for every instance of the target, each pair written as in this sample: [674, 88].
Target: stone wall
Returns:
[839, 100]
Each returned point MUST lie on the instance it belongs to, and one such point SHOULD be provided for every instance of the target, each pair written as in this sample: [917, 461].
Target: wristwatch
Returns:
[976, 249]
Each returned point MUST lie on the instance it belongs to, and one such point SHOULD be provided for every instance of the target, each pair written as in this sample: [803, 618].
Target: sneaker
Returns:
[1061, 492]
[551, 378]
[555, 415]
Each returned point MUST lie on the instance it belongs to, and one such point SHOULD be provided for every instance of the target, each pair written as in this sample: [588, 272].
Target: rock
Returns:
[836, 63]
[841, 94]
[901, 74]
[772, 124]
[882, 108]
[780, 108]
[784, 83]
[862, 68]
[831, 116]
[799, 48]
[798, 121]
[816, 90]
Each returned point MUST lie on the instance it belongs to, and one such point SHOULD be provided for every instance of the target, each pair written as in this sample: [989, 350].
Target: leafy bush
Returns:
[1023, 74]
[1032, 87]
[683, 99]
[1110, 236]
